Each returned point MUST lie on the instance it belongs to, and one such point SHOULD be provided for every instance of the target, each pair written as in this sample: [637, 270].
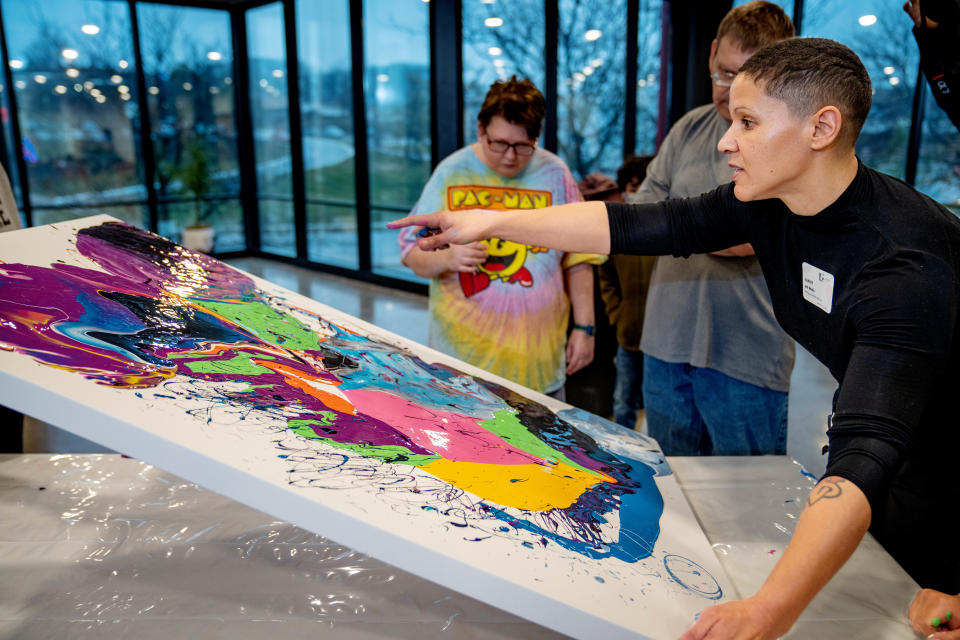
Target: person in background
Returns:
[936, 615]
[500, 305]
[624, 281]
[937, 31]
[864, 272]
[716, 365]
[631, 173]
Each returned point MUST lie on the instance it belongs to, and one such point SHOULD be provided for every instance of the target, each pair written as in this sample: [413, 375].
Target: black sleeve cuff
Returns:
[639, 229]
[867, 462]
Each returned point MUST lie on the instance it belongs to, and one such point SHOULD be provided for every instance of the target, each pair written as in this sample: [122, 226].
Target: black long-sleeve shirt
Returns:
[879, 308]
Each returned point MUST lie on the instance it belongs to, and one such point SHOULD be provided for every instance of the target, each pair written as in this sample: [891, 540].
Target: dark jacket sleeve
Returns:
[709, 222]
[940, 61]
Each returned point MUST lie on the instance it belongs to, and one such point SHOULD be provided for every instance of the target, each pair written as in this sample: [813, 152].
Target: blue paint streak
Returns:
[640, 512]
[807, 474]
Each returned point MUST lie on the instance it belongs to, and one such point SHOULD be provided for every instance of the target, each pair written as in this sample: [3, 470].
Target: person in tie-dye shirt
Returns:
[499, 305]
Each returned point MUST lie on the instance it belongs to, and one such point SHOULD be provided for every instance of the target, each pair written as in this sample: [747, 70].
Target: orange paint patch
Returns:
[311, 385]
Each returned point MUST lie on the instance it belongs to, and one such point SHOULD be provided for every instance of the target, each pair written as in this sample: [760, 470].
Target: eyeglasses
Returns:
[520, 148]
[723, 78]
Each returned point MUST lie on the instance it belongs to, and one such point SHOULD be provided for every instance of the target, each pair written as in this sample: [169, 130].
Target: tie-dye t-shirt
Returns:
[510, 317]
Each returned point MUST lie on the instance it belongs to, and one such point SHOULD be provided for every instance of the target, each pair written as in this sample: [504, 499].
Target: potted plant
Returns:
[195, 178]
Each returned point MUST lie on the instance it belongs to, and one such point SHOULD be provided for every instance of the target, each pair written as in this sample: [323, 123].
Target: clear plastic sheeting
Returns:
[748, 508]
[104, 546]
[101, 546]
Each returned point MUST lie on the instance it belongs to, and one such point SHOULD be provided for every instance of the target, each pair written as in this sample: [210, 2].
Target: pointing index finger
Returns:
[422, 220]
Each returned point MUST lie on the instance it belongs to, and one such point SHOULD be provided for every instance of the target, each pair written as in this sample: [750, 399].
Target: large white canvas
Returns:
[544, 565]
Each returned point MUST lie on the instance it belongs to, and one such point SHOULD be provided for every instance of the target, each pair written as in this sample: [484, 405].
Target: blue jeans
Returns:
[698, 411]
[627, 395]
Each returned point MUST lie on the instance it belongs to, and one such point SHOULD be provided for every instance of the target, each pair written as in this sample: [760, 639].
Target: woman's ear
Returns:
[826, 127]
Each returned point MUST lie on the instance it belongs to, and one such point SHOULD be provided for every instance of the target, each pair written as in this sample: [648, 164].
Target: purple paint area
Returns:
[123, 251]
[54, 327]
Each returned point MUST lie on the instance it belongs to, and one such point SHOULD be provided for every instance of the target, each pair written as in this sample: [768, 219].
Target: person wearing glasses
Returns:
[498, 305]
[717, 365]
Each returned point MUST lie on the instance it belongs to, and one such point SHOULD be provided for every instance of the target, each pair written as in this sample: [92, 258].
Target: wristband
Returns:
[588, 329]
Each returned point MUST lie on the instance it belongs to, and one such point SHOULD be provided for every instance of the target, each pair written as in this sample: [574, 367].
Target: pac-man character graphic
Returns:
[504, 262]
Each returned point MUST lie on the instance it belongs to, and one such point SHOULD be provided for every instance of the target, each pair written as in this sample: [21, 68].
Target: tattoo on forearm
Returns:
[828, 488]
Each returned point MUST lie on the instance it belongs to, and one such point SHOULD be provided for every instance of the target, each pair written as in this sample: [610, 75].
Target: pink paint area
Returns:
[454, 436]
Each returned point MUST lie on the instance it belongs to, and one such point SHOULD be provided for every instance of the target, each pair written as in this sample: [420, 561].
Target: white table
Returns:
[101, 546]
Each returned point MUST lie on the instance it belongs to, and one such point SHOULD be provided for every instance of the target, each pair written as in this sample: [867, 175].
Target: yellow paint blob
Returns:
[531, 487]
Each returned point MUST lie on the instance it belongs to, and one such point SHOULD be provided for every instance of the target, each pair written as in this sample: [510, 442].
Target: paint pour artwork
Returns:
[320, 419]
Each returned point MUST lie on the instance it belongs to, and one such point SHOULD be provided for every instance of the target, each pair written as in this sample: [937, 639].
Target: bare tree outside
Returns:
[74, 88]
[591, 88]
[649, 42]
[503, 39]
[499, 40]
[879, 32]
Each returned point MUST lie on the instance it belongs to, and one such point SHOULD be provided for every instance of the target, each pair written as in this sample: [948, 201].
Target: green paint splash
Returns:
[267, 323]
[507, 425]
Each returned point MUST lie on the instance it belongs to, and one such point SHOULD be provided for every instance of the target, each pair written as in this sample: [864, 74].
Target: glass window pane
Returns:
[332, 234]
[938, 170]
[386, 249]
[188, 64]
[271, 128]
[648, 75]
[72, 63]
[326, 106]
[591, 95]
[879, 32]
[397, 88]
[499, 40]
[10, 149]
[277, 233]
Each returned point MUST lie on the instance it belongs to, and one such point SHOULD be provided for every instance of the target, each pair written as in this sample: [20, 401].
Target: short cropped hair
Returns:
[808, 74]
[516, 101]
[632, 167]
[755, 24]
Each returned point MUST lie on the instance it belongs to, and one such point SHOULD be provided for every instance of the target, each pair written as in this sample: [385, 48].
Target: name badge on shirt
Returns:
[818, 287]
